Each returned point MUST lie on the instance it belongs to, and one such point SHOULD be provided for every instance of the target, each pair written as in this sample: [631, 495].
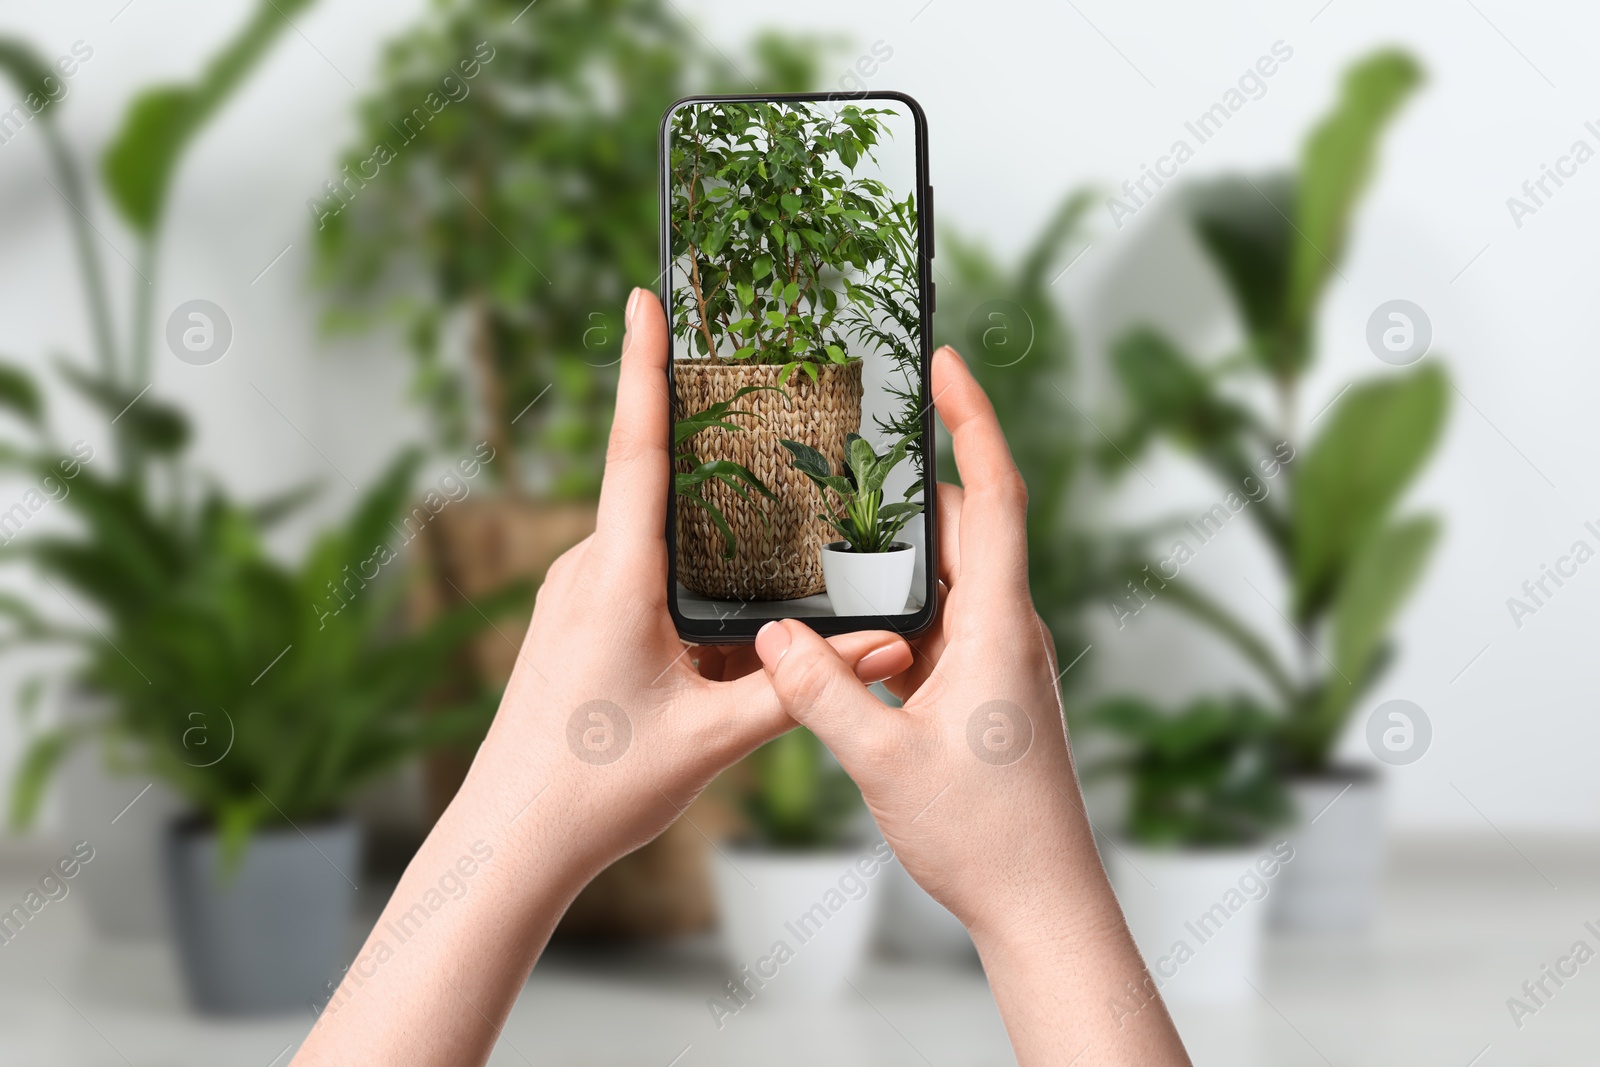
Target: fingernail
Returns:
[627, 317]
[873, 667]
[771, 644]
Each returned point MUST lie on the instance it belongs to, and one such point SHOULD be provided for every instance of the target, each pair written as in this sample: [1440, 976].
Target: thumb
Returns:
[820, 690]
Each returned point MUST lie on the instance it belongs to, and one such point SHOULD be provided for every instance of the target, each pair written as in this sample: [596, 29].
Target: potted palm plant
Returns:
[868, 572]
[798, 877]
[264, 695]
[792, 265]
[1196, 860]
[1349, 558]
[135, 173]
[259, 694]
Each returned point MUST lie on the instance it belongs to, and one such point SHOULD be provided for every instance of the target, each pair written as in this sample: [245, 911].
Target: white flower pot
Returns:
[917, 927]
[795, 925]
[1332, 885]
[1197, 916]
[868, 583]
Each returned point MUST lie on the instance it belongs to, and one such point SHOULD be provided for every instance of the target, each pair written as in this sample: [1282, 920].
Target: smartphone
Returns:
[796, 240]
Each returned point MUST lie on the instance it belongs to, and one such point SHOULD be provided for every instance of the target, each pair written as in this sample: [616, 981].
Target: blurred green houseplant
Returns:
[1350, 560]
[795, 797]
[194, 615]
[520, 203]
[1019, 345]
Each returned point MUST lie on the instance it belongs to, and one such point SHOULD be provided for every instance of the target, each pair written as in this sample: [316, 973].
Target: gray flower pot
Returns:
[268, 935]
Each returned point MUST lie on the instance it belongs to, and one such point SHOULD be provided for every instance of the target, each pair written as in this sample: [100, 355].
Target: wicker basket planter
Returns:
[779, 559]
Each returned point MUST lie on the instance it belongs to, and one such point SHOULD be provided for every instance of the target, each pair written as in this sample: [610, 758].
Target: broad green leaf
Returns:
[1371, 446]
[19, 393]
[863, 463]
[28, 70]
[161, 122]
[1379, 578]
[1243, 224]
[1335, 165]
[807, 460]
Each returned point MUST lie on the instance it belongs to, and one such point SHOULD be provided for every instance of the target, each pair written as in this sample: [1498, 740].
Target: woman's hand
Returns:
[607, 709]
[609, 729]
[972, 782]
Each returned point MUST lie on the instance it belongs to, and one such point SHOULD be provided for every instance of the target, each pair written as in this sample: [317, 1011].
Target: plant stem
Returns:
[694, 262]
[88, 252]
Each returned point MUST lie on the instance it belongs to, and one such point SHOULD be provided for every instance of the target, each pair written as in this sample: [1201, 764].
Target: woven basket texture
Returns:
[778, 559]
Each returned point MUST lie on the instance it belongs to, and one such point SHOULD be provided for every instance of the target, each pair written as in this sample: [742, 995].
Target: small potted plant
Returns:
[792, 267]
[1196, 860]
[868, 572]
[797, 910]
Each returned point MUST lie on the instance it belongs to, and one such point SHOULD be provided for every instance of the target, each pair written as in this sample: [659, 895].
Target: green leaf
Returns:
[863, 463]
[39, 762]
[28, 69]
[1335, 165]
[20, 394]
[1380, 577]
[1372, 445]
[1243, 224]
[160, 123]
[807, 460]
[151, 424]
[898, 510]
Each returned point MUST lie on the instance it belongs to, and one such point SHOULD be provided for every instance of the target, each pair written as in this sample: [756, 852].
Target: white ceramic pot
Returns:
[916, 927]
[1332, 885]
[868, 583]
[796, 925]
[1197, 916]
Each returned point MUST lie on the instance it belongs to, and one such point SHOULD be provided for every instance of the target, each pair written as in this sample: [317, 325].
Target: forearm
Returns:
[443, 966]
[1070, 983]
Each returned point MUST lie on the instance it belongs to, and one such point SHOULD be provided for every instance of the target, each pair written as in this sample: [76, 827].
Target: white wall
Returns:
[1025, 101]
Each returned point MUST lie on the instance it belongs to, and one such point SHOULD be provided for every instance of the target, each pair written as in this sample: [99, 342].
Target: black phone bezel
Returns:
[733, 630]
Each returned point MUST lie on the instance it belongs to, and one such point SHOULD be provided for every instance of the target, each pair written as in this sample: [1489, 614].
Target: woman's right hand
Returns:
[972, 781]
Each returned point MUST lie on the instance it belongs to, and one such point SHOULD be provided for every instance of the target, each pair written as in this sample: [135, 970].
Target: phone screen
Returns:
[795, 277]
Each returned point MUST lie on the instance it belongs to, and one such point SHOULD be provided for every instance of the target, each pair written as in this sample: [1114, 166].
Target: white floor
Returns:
[1464, 924]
